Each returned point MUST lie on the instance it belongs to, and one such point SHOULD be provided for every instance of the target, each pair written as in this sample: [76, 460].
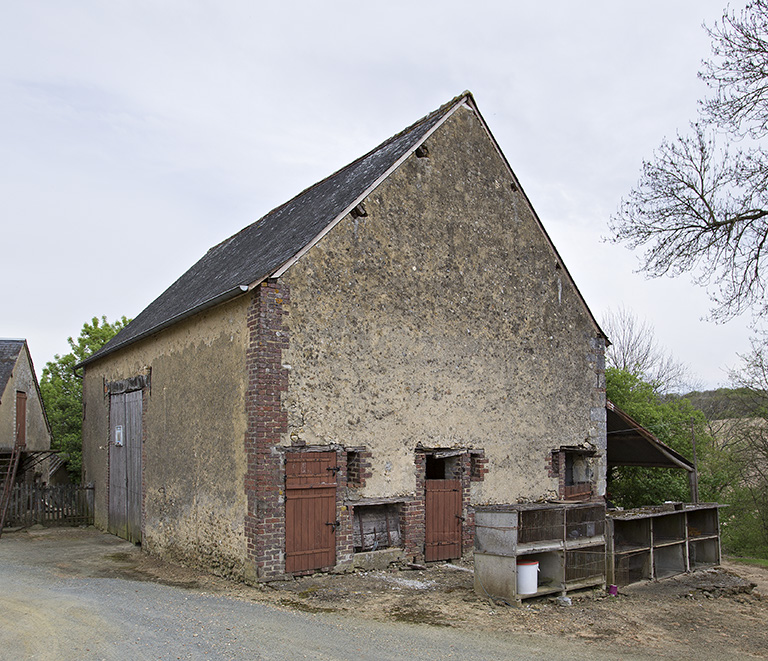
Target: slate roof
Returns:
[272, 244]
[261, 249]
[9, 354]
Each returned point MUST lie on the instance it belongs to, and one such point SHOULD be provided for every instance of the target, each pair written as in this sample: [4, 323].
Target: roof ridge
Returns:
[270, 243]
[426, 118]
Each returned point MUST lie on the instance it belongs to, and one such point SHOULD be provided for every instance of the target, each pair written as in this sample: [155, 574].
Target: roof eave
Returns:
[207, 305]
[537, 219]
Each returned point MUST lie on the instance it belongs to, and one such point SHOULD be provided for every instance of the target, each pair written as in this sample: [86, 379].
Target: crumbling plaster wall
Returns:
[194, 428]
[443, 317]
[23, 380]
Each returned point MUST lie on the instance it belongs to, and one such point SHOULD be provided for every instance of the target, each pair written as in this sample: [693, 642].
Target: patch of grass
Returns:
[308, 592]
[120, 557]
[761, 562]
[418, 616]
[306, 608]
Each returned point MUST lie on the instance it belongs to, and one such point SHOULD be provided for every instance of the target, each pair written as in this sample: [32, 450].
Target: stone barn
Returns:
[349, 376]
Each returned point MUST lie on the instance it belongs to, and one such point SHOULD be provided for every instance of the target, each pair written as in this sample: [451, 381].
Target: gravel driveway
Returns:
[64, 597]
[73, 593]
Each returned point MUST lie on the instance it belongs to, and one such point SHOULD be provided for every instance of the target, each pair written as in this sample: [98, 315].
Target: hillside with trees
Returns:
[721, 403]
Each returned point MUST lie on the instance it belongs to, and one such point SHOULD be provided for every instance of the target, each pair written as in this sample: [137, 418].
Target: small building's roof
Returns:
[268, 247]
[9, 354]
[631, 444]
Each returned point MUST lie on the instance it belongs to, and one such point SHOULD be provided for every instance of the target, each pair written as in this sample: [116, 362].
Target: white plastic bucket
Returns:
[527, 577]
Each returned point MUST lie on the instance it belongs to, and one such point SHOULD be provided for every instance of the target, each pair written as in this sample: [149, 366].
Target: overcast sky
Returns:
[135, 135]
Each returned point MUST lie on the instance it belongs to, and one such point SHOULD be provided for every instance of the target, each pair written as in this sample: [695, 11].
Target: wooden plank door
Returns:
[125, 466]
[442, 514]
[310, 510]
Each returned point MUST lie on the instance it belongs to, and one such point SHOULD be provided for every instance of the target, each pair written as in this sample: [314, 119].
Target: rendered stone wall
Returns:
[444, 318]
[194, 426]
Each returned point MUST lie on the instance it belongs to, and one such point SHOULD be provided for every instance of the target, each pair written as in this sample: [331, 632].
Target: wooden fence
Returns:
[62, 505]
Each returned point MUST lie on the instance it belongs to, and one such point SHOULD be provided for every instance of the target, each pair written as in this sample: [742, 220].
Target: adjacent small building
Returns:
[23, 422]
[352, 374]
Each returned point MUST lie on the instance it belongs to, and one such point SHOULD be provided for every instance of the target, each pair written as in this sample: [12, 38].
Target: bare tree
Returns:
[701, 204]
[634, 348]
[737, 73]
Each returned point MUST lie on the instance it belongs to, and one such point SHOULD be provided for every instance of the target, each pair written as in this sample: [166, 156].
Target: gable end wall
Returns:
[443, 318]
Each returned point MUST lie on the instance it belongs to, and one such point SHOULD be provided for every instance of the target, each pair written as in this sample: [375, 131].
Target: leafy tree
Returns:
[732, 453]
[672, 420]
[62, 390]
[746, 438]
[701, 205]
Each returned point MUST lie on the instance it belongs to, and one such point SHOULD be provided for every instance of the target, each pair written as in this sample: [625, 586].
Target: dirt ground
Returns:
[718, 612]
[708, 614]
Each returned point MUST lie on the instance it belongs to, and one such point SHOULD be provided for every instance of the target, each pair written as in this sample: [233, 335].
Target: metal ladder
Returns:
[8, 482]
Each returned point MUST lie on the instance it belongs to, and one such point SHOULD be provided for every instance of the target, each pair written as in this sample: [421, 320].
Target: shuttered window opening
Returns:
[376, 527]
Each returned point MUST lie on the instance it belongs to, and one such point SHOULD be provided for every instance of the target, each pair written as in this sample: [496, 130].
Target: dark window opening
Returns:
[577, 469]
[435, 468]
[577, 473]
[443, 467]
[568, 470]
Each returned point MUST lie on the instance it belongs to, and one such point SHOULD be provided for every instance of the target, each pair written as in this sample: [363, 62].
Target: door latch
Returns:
[333, 524]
